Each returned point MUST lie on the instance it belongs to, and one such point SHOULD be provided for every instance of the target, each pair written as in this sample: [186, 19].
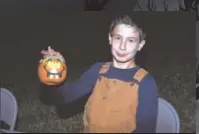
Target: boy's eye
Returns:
[117, 38]
[131, 41]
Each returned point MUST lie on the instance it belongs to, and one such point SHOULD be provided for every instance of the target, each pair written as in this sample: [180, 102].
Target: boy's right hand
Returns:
[50, 52]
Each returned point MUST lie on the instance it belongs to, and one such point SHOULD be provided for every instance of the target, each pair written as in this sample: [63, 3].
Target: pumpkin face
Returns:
[52, 71]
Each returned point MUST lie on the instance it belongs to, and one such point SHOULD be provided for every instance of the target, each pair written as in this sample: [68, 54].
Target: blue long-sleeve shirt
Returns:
[148, 97]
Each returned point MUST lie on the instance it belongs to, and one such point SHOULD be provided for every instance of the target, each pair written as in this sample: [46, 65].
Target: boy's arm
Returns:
[74, 95]
[148, 106]
[70, 92]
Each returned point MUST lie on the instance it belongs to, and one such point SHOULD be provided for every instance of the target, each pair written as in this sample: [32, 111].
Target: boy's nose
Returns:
[122, 45]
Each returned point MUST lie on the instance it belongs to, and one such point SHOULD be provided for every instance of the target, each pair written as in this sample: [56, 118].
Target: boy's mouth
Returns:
[121, 55]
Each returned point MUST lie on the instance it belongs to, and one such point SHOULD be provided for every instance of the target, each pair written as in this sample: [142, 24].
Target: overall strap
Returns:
[105, 67]
[140, 74]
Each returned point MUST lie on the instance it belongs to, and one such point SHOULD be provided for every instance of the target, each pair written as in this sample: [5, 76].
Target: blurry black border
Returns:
[197, 12]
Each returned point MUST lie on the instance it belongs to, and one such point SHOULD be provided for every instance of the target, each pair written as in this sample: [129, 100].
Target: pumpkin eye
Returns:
[57, 64]
[54, 64]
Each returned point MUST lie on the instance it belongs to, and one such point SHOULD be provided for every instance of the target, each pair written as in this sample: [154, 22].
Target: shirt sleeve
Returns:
[148, 106]
[69, 92]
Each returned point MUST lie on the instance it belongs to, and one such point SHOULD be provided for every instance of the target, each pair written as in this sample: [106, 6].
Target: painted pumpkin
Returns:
[52, 70]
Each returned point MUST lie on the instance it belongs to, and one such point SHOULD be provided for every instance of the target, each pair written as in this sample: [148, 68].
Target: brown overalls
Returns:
[112, 106]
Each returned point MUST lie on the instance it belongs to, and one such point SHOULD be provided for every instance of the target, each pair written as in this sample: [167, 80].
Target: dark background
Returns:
[82, 37]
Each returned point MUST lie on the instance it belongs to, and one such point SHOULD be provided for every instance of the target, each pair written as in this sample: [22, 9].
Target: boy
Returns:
[122, 96]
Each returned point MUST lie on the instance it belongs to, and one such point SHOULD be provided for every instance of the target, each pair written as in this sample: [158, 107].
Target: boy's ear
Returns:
[141, 45]
[109, 38]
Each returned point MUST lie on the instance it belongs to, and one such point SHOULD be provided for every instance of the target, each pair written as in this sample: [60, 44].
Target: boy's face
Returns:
[125, 43]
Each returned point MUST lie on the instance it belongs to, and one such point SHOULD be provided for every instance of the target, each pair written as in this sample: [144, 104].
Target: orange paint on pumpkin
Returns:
[52, 71]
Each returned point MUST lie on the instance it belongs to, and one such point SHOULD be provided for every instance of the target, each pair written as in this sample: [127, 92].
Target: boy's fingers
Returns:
[43, 51]
[50, 51]
[40, 61]
[47, 51]
[49, 48]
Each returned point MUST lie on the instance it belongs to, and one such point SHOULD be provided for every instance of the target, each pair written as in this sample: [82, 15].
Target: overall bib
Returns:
[112, 106]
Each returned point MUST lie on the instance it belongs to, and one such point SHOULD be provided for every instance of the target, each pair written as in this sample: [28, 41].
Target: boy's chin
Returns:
[122, 60]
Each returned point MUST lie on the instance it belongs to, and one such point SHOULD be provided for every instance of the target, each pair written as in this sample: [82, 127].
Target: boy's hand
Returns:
[51, 52]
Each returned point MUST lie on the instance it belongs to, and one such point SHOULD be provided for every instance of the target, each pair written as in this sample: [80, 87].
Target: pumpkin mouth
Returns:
[53, 74]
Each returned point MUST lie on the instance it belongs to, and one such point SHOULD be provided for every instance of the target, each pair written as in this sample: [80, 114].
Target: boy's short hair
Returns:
[124, 19]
